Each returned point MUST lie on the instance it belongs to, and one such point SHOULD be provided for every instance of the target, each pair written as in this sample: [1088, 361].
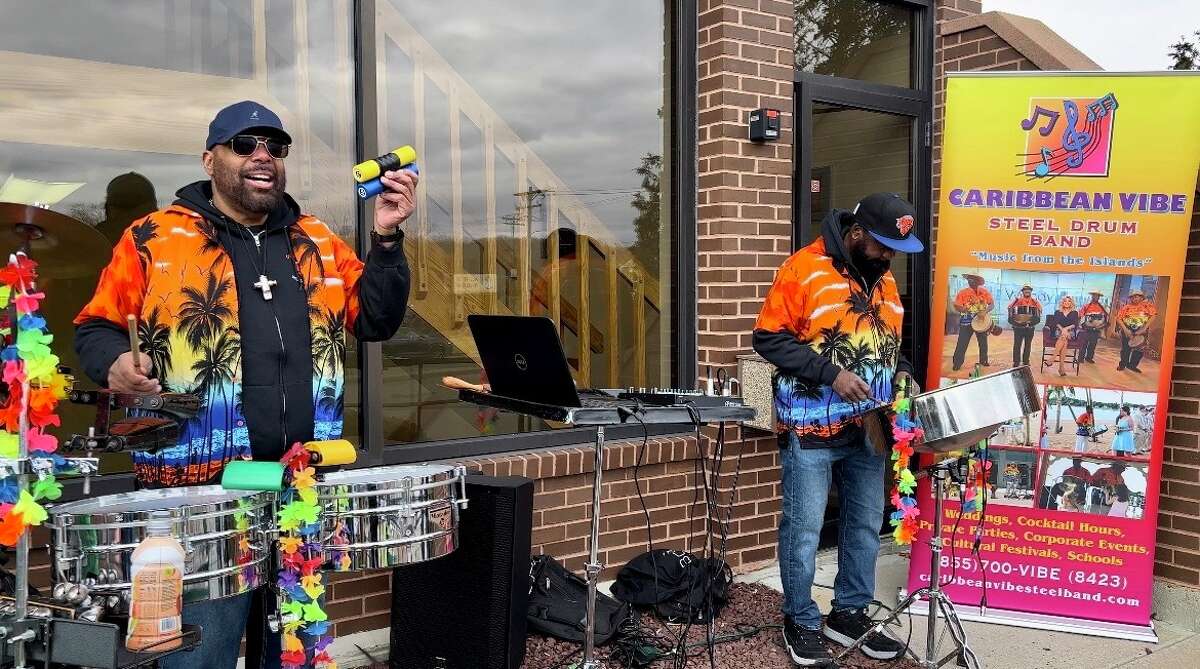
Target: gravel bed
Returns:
[749, 604]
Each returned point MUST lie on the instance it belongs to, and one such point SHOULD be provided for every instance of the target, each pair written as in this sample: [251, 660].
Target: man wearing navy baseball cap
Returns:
[831, 325]
[243, 300]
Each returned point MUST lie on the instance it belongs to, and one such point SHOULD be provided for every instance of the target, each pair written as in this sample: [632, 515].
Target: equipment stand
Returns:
[617, 413]
[593, 566]
[939, 601]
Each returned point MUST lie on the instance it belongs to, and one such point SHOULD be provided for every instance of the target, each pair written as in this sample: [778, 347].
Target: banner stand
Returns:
[1040, 621]
[1065, 205]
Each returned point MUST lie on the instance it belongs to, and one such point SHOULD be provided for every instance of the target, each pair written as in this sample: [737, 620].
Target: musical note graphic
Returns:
[1051, 116]
[1074, 141]
[1100, 108]
[1043, 167]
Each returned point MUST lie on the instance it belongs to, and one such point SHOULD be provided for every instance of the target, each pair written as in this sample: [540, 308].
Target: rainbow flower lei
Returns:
[306, 637]
[904, 431]
[35, 387]
[979, 466]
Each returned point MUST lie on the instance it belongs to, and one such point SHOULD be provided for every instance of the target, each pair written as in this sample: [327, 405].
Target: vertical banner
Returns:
[1064, 209]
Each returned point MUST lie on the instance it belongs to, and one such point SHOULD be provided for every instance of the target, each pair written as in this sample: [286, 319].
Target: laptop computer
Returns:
[524, 359]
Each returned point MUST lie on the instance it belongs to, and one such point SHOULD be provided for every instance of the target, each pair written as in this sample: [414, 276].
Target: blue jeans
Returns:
[222, 623]
[807, 473]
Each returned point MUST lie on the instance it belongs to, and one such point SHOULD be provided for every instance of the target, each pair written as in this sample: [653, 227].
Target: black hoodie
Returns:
[793, 357]
[277, 365]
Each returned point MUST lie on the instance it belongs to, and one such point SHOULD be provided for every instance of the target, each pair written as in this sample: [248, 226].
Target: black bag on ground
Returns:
[558, 604]
[675, 584]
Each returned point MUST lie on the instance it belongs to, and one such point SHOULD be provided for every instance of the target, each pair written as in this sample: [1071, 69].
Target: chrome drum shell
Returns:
[225, 536]
[971, 410]
[390, 516]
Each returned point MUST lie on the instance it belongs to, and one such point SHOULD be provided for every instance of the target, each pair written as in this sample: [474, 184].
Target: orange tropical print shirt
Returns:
[170, 271]
[1135, 316]
[826, 309]
[973, 300]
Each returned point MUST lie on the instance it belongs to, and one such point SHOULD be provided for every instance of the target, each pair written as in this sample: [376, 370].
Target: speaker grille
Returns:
[467, 610]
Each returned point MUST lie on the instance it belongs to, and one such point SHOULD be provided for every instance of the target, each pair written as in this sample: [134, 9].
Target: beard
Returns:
[870, 267]
[230, 182]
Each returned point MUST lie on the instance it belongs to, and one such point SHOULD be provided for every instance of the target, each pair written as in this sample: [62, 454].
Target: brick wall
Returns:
[975, 49]
[563, 510]
[1177, 557]
[744, 221]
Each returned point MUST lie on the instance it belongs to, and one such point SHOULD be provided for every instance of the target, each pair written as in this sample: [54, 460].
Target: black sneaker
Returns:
[847, 625]
[806, 646]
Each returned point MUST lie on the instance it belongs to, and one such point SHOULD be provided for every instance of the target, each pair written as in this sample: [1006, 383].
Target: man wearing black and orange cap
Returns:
[831, 325]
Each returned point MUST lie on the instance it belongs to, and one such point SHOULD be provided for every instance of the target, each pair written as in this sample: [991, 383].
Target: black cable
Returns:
[637, 484]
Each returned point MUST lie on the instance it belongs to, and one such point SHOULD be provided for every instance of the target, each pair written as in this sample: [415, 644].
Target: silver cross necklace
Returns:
[263, 284]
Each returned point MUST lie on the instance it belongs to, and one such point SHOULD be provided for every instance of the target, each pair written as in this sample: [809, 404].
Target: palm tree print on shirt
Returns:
[156, 343]
[205, 312]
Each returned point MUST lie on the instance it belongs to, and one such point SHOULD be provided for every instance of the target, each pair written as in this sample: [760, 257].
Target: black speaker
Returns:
[467, 610]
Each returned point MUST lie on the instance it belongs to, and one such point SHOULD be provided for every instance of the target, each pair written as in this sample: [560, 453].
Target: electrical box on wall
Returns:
[764, 125]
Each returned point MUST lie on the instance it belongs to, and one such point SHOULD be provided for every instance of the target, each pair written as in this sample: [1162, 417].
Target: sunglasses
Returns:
[246, 145]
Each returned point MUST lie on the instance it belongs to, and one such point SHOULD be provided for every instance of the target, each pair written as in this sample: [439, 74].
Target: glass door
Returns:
[853, 143]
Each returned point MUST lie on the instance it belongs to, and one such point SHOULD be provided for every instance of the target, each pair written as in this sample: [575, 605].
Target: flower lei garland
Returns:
[305, 623]
[979, 466]
[35, 387]
[248, 576]
[904, 431]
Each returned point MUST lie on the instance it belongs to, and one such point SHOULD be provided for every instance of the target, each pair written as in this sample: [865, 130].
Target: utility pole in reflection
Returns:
[528, 200]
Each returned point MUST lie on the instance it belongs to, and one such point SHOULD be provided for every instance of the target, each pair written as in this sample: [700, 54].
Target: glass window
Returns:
[542, 128]
[117, 105]
[871, 40]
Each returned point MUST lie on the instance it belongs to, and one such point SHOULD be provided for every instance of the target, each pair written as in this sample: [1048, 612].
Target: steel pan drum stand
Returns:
[598, 417]
[939, 601]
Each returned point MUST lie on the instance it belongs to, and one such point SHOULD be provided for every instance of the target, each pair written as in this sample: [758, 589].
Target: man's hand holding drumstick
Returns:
[130, 372]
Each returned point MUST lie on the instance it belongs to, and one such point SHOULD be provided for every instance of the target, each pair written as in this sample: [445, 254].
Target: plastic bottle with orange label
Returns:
[156, 606]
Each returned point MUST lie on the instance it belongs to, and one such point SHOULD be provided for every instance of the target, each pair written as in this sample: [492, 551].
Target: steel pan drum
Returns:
[223, 534]
[390, 516]
[957, 416]
[982, 322]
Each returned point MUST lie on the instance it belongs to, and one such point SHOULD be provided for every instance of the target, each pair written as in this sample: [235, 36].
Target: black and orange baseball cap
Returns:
[890, 219]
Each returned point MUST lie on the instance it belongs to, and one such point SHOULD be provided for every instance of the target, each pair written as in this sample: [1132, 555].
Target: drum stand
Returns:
[939, 601]
[593, 567]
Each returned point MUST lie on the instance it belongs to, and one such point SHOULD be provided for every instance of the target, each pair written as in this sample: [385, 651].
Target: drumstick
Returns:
[455, 383]
[135, 345]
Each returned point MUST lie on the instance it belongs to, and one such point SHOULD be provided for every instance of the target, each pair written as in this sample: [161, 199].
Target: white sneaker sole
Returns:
[836, 636]
[805, 662]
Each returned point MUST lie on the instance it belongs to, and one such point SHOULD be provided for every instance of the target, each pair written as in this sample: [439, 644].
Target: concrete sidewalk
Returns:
[1003, 647]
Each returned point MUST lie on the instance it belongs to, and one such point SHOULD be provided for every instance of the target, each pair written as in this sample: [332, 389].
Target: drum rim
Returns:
[370, 475]
[226, 506]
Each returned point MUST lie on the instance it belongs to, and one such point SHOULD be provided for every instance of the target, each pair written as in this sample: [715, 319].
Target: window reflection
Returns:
[542, 129]
[119, 100]
[869, 40]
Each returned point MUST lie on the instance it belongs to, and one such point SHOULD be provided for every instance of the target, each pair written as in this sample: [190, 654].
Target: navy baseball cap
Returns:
[239, 117]
[890, 219]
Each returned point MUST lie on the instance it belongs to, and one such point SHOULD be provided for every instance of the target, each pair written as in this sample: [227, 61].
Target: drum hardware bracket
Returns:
[461, 472]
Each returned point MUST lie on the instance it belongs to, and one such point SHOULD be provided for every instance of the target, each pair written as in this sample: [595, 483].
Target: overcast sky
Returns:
[1120, 35]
